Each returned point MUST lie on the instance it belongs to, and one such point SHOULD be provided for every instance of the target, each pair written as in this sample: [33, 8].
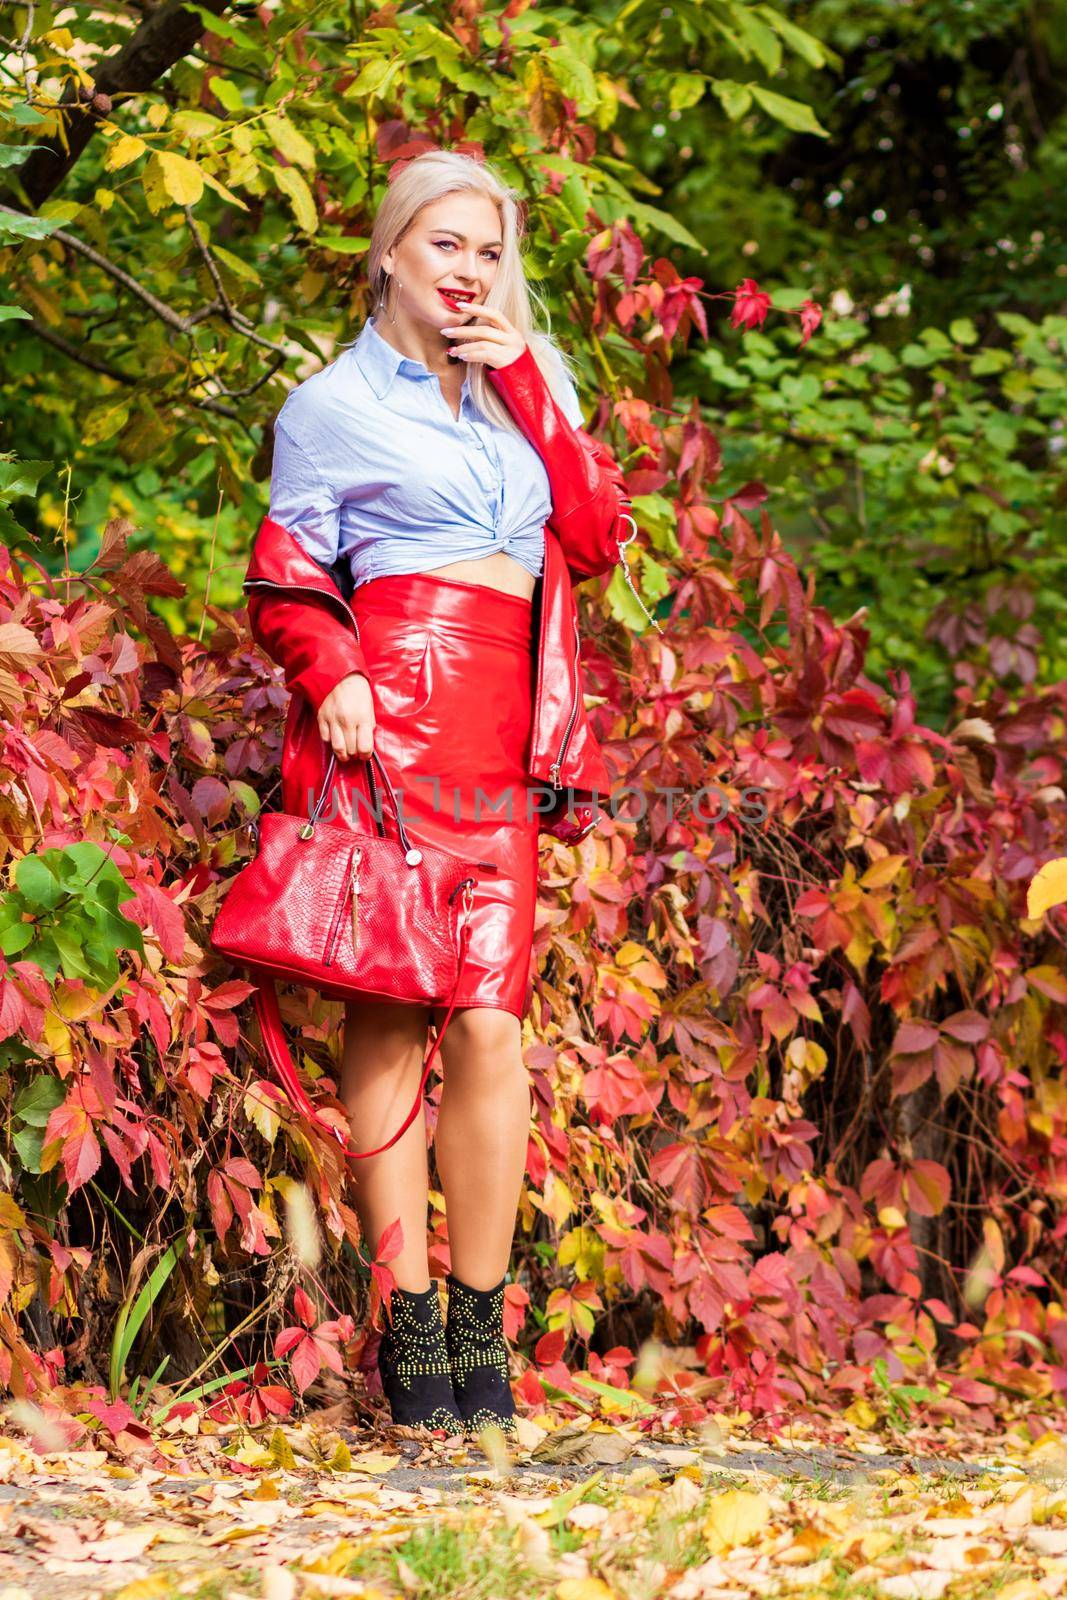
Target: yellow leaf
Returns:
[18, 646]
[861, 1414]
[189, 124]
[294, 184]
[558, 1202]
[252, 1454]
[584, 1589]
[994, 1243]
[1048, 889]
[734, 1518]
[881, 873]
[334, 1561]
[890, 1217]
[262, 1115]
[291, 142]
[145, 1588]
[75, 1004]
[182, 178]
[266, 1489]
[126, 148]
[341, 1460]
[220, 188]
[281, 1452]
[374, 1461]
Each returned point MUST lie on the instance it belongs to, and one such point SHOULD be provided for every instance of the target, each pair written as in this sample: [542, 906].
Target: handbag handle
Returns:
[265, 1000]
[412, 854]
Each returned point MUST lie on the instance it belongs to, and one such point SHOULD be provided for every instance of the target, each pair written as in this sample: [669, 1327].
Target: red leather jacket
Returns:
[298, 611]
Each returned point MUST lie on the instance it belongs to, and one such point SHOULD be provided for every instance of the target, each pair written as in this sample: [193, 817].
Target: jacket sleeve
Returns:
[312, 646]
[590, 506]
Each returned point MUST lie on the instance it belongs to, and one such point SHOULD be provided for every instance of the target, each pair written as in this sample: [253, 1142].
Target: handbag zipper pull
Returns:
[355, 899]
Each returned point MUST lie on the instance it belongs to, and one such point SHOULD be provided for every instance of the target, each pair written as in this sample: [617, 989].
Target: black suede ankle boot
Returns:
[413, 1363]
[478, 1356]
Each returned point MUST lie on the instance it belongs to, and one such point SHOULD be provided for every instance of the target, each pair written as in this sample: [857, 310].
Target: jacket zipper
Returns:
[304, 588]
[554, 769]
[350, 881]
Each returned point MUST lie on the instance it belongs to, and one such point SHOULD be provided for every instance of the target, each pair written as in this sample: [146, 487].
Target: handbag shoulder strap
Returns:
[265, 1000]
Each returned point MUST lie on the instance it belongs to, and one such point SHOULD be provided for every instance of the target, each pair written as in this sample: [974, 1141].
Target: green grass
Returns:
[472, 1561]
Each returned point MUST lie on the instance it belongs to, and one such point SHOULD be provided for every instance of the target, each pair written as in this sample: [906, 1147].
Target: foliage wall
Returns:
[799, 1108]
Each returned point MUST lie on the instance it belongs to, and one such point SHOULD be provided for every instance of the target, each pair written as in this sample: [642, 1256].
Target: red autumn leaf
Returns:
[751, 304]
[305, 1363]
[391, 1242]
[967, 1026]
[928, 1188]
[913, 1037]
[115, 1416]
[304, 1307]
[80, 1153]
[550, 1347]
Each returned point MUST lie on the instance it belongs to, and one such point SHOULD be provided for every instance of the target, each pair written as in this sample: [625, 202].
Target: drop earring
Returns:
[381, 297]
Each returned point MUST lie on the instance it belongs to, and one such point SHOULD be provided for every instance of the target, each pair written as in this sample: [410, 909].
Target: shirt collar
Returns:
[379, 362]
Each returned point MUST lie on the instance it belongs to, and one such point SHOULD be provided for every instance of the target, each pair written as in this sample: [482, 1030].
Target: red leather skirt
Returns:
[451, 667]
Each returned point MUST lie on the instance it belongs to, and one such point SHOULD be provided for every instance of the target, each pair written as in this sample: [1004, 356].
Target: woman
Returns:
[432, 498]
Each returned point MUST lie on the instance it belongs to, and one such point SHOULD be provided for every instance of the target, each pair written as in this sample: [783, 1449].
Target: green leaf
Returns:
[574, 76]
[26, 227]
[104, 421]
[130, 1319]
[291, 142]
[753, 37]
[28, 1142]
[19, 111]
[963, 331]
[374, 78]
[792, 114]
[294, 185]
[21, 477]
[344, 244]
[236, 264]
[8, 313]
[575, 196]
[687, 90]
[227, 94]
[810, 49]
[652, 217]
[84, 861]
[37, 1099]
[734, 97]
[37, 883]
[15, 938]
[71, 955]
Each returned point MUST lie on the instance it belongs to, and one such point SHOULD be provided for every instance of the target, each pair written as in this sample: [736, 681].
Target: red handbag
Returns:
[353, 914]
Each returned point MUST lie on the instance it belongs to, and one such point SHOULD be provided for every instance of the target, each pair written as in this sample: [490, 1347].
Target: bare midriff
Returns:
[498, 571]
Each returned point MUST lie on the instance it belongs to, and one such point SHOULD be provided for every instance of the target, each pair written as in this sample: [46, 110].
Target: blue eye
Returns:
[440, 242]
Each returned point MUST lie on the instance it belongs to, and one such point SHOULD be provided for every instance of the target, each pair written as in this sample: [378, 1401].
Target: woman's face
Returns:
[453, 243]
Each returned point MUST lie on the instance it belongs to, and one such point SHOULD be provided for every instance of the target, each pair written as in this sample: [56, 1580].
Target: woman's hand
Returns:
[497, 342]
[346, 717]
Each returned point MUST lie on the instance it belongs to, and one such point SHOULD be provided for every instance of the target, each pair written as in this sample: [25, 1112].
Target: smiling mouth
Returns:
[456, 297]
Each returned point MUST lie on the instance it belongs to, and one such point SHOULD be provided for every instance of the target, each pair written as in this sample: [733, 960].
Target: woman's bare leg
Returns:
[385, 1045]
[480, 1143]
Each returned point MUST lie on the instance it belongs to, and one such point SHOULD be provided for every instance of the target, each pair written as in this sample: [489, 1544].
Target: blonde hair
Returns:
[428, 177]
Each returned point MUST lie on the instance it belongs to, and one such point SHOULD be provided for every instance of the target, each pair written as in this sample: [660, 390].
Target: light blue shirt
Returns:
[371, 464]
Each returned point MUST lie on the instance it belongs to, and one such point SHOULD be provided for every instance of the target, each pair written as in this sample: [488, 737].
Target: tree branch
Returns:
[166, 35]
